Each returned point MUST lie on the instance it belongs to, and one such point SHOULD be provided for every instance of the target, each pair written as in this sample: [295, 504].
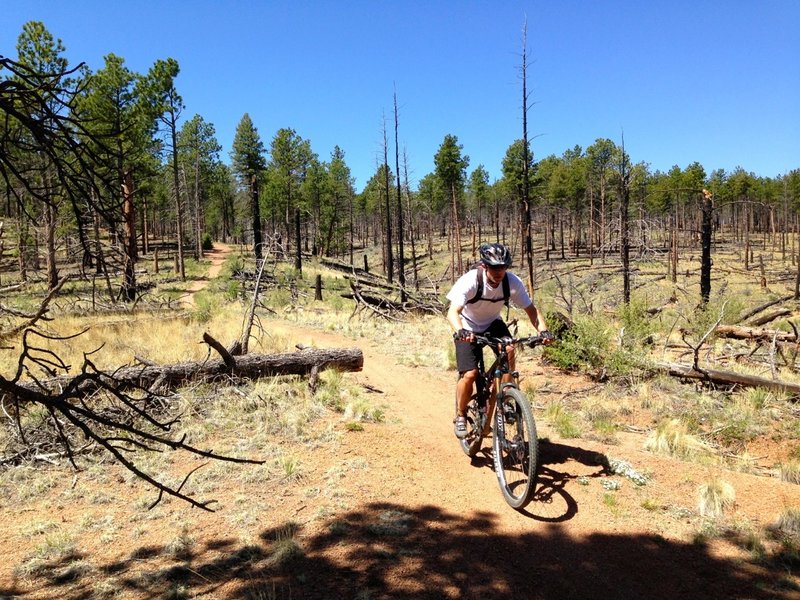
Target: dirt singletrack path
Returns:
[587, 533]
[217, 256]
[576, 539]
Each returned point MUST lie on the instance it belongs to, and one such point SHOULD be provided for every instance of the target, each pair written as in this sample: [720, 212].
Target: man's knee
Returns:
[468, 377]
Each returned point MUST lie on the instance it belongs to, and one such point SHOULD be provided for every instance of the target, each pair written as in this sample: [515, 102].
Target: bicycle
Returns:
[516, 446]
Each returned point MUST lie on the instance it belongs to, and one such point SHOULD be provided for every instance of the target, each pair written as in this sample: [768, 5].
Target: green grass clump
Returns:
[610, 500]
[651, 505]
[206, 306]
[564, 421]
[285, 549]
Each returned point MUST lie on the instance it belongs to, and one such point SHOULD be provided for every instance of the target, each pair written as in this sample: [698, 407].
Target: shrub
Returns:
[589, 346]
[585, 346]
[638, 325]
[206, 242]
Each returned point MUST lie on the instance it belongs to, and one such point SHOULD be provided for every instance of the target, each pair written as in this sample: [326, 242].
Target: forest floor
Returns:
[396, 510]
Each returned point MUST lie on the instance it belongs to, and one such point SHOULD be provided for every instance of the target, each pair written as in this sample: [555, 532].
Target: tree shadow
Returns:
[385, 550]
[551, 502]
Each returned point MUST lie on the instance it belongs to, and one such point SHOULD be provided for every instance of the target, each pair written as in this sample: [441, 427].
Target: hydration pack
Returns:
[479, 294]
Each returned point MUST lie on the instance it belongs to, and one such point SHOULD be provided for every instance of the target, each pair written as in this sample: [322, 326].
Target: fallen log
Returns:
[769, 317]
[728, 378]
[752, 333]
[248, 366]
[763, 307]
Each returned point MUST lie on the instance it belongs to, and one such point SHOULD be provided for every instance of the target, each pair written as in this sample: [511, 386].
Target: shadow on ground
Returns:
[390, 551]
[551, 501]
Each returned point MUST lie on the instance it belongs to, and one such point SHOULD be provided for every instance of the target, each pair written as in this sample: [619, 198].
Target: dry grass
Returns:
[563, 419]
[788, 523]
[715, 496]
[672, 438]
[790, 471]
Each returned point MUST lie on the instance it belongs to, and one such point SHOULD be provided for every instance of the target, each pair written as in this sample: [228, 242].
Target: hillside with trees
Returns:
[101, 167]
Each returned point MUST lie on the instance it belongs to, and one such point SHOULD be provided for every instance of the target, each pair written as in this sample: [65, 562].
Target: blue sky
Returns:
[716, 82]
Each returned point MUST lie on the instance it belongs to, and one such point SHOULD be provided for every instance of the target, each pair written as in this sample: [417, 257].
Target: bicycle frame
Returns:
[492, 377]
[489, 381]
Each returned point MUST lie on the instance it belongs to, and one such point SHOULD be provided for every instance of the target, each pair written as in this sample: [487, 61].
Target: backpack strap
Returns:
[479, 293]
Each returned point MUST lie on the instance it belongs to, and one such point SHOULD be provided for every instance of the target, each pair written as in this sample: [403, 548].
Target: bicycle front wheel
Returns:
[516, 447]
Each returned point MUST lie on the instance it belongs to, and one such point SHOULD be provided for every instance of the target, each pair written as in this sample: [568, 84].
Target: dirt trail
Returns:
[398, 511]
[577, 539]
[217, 256]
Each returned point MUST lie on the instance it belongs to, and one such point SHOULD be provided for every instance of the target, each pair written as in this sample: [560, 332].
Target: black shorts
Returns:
[468, 354]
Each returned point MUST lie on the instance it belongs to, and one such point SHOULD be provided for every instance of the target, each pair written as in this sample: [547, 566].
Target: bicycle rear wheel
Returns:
[475, 421]
[516, 447]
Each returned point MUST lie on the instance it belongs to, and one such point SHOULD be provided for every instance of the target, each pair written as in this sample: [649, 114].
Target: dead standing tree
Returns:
[527, 232]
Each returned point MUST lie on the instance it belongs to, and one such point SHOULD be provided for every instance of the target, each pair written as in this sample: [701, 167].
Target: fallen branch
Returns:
[362, 303]
[763, 307]
[769, 317]
[728, 378]
[248, 325]
[40, 313]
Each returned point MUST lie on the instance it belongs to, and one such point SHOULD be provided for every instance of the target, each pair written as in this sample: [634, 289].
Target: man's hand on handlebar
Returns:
[464, 335]
[544, 338]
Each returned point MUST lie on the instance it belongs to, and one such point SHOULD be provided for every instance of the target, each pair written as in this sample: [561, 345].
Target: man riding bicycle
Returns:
[476, 301]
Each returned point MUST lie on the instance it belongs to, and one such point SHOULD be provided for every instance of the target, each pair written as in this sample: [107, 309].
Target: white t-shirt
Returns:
[479, 315]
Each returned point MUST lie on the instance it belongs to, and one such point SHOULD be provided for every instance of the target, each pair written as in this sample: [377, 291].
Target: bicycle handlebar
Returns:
[531, 341]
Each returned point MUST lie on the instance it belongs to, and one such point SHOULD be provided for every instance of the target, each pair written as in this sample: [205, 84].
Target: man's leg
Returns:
[512, 363]
[464, 390]
[463, 393]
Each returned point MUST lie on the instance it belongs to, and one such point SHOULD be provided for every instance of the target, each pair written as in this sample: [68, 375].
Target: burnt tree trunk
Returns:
[705, 242]
[729, 378]
[257, 242]
[129, 242]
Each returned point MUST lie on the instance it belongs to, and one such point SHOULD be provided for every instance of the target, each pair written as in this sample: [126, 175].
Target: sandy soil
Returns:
[398, 511]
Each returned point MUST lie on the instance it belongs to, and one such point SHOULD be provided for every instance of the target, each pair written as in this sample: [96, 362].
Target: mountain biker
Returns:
[476, 301]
